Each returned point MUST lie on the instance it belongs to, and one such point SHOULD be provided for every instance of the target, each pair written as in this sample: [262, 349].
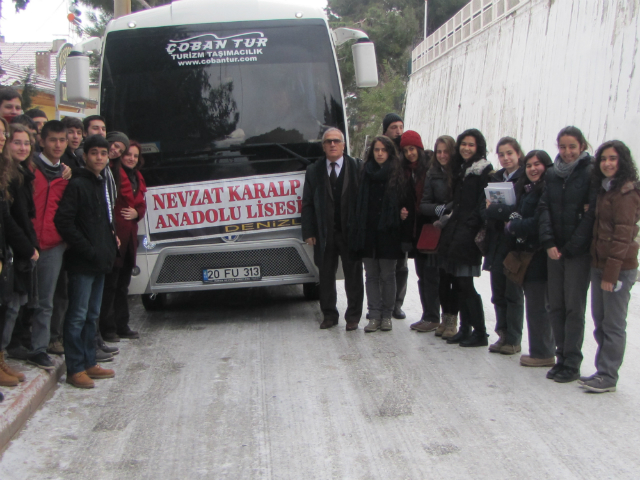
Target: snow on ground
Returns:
[243, 384]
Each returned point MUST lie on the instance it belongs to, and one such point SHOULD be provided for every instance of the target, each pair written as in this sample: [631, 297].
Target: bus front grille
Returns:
[273, 262]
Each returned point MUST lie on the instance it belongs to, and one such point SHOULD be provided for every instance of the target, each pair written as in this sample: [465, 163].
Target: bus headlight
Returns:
[136, 271]
[148, 244]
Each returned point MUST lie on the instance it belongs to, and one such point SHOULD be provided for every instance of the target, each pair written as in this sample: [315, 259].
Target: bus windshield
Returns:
[225, 100]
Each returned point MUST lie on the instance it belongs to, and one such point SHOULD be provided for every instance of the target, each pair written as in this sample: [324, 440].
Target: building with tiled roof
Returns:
[16, 58]
[39, 55]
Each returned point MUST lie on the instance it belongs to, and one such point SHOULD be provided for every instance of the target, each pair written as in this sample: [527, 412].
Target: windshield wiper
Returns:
[305, 161]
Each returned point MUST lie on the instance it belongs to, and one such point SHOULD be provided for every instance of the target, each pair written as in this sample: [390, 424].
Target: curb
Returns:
[22, 401]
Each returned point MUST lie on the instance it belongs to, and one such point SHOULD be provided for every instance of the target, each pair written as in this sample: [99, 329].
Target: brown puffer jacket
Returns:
[614, 247]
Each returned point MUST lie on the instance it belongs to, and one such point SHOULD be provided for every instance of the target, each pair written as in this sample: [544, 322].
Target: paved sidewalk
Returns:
[22, 401]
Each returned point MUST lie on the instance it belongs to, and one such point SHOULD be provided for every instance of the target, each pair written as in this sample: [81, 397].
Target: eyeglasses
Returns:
[337, 141]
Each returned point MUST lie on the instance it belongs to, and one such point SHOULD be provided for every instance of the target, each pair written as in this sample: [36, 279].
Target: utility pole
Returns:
[121, 8]
[425, 19]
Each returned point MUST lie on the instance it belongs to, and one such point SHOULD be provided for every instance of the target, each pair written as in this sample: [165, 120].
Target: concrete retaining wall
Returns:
[550, 64]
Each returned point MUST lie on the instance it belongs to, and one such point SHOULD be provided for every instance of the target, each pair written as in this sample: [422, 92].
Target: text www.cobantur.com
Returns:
[209, 61]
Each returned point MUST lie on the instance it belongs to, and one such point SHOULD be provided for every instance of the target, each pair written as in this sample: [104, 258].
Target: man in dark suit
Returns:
[330, 190]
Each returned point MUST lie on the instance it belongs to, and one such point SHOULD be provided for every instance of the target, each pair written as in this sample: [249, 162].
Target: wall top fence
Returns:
[473, 18]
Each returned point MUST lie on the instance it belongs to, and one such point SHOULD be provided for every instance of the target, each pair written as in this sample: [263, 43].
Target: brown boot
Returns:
[98, 372]
[7, 380]
[451, 327]
[502, 340]
[80, 380]
[442, 326]
[10, 371]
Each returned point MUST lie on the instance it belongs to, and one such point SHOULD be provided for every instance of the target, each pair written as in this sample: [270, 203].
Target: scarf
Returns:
[390, 212]
[565, 169]
[131, 175]
[47, 170]
[607, 183]
[418, 183]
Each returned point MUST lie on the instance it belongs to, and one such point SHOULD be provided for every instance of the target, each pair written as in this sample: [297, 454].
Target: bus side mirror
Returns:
[364, 62]
[77, 77]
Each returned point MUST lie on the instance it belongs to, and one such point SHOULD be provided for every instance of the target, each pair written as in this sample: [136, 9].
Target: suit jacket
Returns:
[318, 207]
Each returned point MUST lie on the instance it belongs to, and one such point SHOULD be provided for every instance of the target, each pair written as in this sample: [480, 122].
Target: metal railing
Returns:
[474, 17]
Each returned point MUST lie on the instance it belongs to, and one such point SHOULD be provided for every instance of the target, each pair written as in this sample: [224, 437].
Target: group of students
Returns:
[71, 195]
[573, 225]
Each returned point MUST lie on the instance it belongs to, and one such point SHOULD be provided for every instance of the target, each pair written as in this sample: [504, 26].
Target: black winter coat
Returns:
[526, 228]
[563, 221]
[83, 222]
[376, 229]
[457, 241]
[23, 210]
[71, 159]
[497, 215]
[436, 192]
[317, 202]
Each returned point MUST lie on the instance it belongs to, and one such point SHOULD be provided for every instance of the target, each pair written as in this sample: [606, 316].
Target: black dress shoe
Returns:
[328, 323]
[110, 337]
[352, 326]
[130, 334]
[399, 313]
[566, 375]
[477, 339]
[554, 371]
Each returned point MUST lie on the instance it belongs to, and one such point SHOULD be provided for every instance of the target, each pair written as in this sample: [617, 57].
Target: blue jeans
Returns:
[48, 267]
[85, 298]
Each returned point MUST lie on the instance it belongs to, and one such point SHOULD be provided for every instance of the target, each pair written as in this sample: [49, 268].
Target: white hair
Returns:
[330, 130]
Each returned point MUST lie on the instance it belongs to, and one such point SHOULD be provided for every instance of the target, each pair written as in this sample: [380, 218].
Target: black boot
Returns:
[465, 327]
[476, 317]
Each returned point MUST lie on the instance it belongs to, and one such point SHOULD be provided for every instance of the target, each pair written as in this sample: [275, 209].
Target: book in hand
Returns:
[501, 193]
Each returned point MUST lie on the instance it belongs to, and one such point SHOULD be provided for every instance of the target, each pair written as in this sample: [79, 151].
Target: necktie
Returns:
[333, 178]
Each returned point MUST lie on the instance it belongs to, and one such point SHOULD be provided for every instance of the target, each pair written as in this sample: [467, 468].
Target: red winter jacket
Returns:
[46, 196]
[127, 230]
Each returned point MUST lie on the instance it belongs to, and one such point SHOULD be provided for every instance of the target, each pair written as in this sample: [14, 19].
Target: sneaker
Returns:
[19, 352]
[508, 349]
[103, 356]
[597, 384]
[551, 374]
[427, 327]
[80, 380]
[106, 349]
[566, 375]
[130, 334]
[98, 372]
[583, 380]
[55, 348]
[502, 340]
[528, 361]
[41, 360]
[386, 325]
[417, 324]
[372, 326]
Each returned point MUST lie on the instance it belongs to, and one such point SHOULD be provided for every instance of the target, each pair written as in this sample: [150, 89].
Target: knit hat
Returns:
[118, 137]
[411, 138]
[390, 118]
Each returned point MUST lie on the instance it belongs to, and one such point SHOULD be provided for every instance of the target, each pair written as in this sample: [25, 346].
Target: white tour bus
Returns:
[229, 100]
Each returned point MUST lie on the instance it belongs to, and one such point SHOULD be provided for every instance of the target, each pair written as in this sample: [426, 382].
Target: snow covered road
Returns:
[243, 385]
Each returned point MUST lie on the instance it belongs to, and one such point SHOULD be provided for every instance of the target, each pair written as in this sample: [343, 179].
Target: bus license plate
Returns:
[231, 274]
